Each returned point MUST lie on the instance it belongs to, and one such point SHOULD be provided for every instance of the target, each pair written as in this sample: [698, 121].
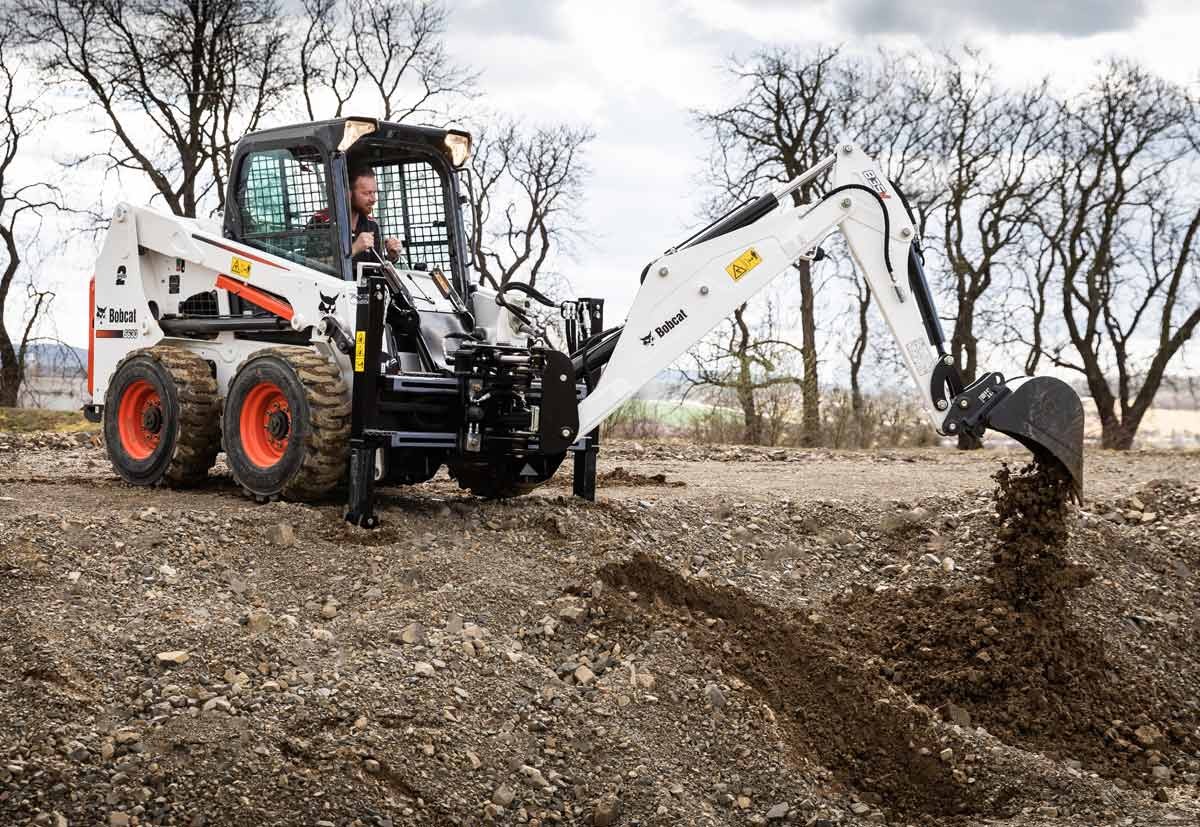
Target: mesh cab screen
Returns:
[412, 207]
[284, 202]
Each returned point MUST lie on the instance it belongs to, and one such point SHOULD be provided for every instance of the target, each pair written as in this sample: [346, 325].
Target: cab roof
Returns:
[329, 134]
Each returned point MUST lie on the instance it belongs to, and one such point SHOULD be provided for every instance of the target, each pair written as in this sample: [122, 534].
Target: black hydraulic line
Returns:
[742, 216]
[920, 284]
[218, 324]
[533, 293]
[595, 337]
[887, 219]
[590, 358]
[912, 217]
[732, 220]
[920, 289]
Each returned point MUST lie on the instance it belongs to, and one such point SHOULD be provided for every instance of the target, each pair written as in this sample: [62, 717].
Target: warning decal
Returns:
[360, 351]
[240, 267]
[743, 264]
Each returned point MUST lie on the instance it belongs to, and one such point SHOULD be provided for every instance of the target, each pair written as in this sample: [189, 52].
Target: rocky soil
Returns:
[727, 636]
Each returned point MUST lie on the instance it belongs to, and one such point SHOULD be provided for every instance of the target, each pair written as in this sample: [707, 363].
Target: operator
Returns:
[364, 230]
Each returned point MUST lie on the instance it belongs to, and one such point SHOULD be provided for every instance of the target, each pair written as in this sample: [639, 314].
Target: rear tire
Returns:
[161, 422]
[287, 425]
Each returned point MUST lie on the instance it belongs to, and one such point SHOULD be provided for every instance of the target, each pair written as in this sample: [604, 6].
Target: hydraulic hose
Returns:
[532, 292]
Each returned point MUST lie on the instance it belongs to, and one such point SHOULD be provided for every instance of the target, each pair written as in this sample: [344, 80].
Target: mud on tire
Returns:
[161, 422]
[286, 424]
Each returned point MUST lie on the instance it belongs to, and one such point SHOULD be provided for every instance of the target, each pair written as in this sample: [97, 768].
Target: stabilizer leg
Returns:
[585, 467]
[362, 484]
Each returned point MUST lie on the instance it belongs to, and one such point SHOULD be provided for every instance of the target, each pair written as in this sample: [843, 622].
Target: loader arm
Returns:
[689, 290]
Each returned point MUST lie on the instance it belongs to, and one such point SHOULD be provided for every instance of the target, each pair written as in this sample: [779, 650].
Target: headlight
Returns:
[458, 144]
[354, 130]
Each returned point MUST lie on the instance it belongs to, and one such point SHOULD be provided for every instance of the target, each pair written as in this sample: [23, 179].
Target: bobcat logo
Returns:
[648, 339]
[328, 303]
[100, 313]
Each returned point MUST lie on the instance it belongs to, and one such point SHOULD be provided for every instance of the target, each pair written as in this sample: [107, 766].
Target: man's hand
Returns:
[393, 247]
[362, 243]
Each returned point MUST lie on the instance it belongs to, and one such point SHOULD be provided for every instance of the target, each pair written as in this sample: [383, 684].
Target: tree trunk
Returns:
[751, 418]
[963, 347]
[1116, 435]
[810, 435]
[10, 371]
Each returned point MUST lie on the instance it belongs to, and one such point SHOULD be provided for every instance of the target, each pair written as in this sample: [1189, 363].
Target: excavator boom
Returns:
[690, 289]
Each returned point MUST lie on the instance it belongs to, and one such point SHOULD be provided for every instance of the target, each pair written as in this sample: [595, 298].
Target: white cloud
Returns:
[633, 70]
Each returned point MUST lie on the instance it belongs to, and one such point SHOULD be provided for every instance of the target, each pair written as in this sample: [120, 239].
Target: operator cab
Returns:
[289, 195]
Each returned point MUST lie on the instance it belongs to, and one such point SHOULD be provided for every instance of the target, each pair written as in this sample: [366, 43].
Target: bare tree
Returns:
[523, 187]
[19, 204]
[1122, 242]
[994, 188]
[860, 306]
[747, 358]
[176, 82]
[393, 48]
[791, 112]
[781, 125]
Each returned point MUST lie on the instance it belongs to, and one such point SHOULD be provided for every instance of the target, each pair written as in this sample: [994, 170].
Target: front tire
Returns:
[161, 418]
[287, 425]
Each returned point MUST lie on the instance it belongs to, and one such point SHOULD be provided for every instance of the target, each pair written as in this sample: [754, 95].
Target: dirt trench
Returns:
[855, 690]
[830, 706]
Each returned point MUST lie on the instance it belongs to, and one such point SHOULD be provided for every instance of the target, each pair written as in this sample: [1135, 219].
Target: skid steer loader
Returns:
[308, 365]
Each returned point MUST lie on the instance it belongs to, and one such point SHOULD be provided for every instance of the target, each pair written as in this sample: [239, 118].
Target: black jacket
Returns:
[366, 224]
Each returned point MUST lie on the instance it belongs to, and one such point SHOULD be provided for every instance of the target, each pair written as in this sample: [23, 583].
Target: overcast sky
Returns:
[634, 71]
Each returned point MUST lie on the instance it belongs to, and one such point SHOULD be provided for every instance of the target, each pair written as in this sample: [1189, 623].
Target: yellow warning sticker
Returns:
[240, 267]
[360, 351]
[743, 264]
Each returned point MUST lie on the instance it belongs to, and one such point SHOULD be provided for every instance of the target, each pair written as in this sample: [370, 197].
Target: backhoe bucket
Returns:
[1045, 415]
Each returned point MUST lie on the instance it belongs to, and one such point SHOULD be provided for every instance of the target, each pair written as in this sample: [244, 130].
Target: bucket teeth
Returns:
[1045, 415]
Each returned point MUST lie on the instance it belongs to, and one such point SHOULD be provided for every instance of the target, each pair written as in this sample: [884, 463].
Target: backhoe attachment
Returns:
[688, 291]
[1040, 412]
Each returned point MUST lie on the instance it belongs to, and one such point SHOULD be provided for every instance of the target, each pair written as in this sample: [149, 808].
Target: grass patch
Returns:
[26, 420]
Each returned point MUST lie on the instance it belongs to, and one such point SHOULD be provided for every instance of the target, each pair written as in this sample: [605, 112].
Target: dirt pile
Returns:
[1008, 653]
[623, 476]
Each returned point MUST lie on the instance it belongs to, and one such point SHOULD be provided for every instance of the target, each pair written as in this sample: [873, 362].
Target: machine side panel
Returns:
[121, 316]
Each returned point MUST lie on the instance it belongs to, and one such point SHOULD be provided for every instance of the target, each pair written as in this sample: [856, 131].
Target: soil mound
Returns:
[1012, 654]
[622, 476]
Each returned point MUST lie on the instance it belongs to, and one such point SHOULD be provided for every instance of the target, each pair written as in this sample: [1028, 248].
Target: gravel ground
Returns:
[727, 636]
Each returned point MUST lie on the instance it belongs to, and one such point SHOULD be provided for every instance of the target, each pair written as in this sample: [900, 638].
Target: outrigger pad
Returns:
[1045, 415]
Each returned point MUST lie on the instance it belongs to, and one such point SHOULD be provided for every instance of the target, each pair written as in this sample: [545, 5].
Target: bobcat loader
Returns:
[264, 337]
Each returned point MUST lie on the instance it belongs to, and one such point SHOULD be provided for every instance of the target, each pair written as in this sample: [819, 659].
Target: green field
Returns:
[25, 420]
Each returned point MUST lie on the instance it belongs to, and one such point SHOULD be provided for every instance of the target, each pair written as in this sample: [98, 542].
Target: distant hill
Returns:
[57, 359]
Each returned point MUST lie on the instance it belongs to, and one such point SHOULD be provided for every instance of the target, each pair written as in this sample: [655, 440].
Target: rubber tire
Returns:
[191, 437]
[317, 453]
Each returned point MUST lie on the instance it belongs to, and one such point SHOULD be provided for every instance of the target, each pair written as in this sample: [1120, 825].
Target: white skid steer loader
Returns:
[311, 362]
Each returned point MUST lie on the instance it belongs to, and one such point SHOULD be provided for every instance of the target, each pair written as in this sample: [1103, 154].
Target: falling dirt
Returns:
[1032, 509]
[1012, 654]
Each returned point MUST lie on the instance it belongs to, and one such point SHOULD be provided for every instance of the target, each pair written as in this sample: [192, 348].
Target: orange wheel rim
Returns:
[140, 419]
[265, 424]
